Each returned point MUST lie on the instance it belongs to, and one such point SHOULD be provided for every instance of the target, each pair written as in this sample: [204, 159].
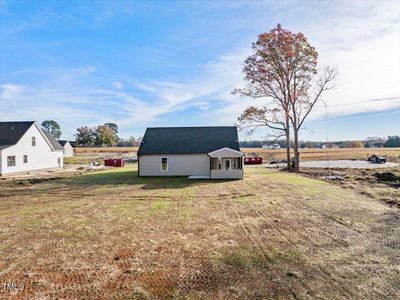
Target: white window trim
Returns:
[23, 159]
[15, 161]
[161, 166]
[33, 140]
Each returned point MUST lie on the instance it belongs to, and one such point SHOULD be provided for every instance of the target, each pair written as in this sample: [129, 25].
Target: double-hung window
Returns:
[164, 164]
[33, 141]
[10, 161]
[25, 159]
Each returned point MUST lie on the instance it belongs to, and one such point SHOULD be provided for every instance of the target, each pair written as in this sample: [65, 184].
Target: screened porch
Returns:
[226, 163]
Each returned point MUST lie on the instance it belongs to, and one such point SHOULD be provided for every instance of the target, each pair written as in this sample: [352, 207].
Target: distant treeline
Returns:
[391, 141]
[107, 135]
[103, 135]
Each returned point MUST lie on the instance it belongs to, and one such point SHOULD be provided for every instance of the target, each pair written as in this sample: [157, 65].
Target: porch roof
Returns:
[226, 152]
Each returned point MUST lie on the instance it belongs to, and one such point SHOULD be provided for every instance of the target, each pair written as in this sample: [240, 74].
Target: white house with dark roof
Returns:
[24, 147]
[197, 152]
[68, 149]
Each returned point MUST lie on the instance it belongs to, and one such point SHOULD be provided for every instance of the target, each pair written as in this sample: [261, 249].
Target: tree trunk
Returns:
[296, 165]
[289, 166]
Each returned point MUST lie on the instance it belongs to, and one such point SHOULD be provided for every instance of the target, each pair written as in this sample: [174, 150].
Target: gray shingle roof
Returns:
[63, 142]
[188, 140]
[56, 145]
[11, 132]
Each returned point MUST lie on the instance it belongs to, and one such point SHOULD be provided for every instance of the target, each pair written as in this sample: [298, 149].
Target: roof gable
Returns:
[12, 132]
[226, 152]
[188, 140]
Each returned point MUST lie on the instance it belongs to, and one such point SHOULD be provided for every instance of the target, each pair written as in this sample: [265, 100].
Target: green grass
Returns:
[31, 223]
[245, 257]
[160, 205]
[76, 160]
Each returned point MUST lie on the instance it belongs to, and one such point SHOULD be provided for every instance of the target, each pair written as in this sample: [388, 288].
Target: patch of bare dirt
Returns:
[34, 177]
[382, 185]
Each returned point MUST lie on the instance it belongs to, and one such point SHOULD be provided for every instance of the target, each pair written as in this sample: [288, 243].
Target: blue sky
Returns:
[175, 63]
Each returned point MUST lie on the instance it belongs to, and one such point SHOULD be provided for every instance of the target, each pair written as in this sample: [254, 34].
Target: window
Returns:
[25, 159]
[33, 141]
[10, 161]
[164, 164]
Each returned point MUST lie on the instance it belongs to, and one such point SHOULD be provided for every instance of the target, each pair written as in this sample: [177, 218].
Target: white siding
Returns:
[178, 165]
[68, 150]
[39, 157]
[226, 174]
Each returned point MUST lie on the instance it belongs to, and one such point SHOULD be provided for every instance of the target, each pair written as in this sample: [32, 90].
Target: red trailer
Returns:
[253, 160]
[120, 162]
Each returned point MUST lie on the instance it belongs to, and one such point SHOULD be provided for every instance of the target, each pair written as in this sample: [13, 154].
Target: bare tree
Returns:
[302, 103]
[282, 69]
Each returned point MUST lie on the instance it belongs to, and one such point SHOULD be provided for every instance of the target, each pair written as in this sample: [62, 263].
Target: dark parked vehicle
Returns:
[281, 161]
[376, 159]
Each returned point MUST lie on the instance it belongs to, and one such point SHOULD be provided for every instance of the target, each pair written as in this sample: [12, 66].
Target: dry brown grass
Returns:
[393, 154]
[105, 150]
[273, 235]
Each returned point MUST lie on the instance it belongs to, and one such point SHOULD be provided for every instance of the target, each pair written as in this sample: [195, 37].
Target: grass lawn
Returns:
[112, 235]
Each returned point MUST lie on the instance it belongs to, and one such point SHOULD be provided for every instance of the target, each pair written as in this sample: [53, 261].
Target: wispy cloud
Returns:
[361, 38]
[386, 99]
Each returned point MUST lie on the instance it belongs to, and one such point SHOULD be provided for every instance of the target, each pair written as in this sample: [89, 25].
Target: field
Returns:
[393, 154]
[85, 155]
[273, 235]
[79, 151]
[88, 155]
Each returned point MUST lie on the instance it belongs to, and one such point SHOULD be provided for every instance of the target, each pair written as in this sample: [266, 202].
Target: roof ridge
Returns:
[166, 127]
[4, 122]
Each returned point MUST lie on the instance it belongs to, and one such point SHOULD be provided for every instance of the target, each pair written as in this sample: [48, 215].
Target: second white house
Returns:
[68, 149]
[24, 146]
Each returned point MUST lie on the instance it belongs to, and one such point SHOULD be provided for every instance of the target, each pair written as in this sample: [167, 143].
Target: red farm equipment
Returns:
[253, 160]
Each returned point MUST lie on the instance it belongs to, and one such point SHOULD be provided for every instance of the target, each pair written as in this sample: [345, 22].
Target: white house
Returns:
[197, 152]
[329, 146]
[68, 149]
[271, 146]
[24, 146]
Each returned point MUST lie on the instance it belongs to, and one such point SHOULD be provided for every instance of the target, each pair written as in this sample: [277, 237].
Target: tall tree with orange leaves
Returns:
[283, 69]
